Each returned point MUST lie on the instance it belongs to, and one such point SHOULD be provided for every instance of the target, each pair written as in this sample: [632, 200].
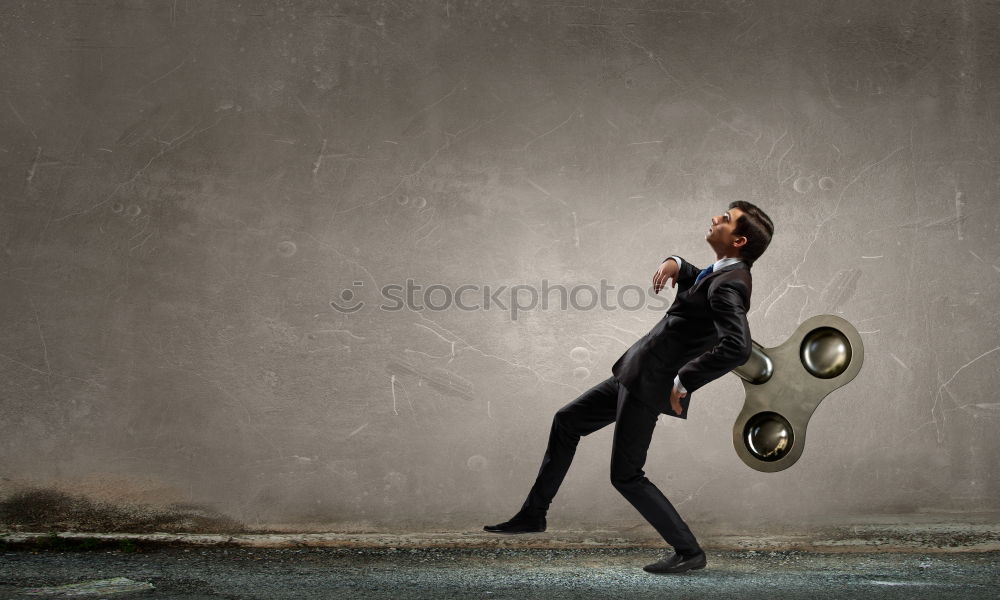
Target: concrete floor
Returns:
[929, 556]
[518, 573]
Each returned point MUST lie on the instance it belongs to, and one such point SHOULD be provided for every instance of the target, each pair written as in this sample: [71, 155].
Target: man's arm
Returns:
[728, 301]
[684, 273]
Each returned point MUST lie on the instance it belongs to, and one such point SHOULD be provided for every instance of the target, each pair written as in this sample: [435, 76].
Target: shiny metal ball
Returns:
[768, 436]
[825, 352]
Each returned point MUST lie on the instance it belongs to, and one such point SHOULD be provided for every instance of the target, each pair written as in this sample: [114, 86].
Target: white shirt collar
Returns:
[725, 262]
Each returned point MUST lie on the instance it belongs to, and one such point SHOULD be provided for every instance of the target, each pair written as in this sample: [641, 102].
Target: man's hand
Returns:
[667, 270]
[675, 400]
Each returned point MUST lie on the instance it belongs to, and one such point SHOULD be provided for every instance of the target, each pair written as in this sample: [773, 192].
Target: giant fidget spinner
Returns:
[785, 384]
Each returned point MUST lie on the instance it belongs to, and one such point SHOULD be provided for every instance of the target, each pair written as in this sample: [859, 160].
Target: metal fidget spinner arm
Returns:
[785, 384]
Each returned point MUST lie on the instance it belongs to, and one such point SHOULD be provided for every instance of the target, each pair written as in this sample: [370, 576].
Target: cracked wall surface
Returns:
[202, 204]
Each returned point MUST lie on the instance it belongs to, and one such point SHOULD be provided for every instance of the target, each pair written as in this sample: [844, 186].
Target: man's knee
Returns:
[624, 476]
[564, 419]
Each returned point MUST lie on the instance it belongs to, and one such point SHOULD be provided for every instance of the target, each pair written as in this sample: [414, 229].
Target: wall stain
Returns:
[41, 509]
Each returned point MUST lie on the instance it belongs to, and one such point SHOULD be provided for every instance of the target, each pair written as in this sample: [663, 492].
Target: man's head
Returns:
[744, 231]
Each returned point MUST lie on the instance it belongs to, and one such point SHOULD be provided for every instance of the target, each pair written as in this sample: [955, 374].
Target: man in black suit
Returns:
[703, 335]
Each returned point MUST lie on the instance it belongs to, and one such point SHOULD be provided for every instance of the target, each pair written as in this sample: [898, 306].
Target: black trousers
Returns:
[605, 403]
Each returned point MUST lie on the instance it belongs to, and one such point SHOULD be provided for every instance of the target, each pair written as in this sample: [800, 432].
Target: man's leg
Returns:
[633, 432]
[591, 411]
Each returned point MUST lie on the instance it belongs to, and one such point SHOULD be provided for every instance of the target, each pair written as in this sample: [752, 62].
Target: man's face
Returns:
[720, 235]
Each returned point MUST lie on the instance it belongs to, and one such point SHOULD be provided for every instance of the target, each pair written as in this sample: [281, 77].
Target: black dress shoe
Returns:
[677, 564]
[518, 525]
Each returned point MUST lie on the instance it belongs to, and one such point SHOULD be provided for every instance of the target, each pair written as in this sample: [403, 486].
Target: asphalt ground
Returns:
[178, 572]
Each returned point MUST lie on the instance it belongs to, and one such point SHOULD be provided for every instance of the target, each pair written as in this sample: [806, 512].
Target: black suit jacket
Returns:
[703, 336]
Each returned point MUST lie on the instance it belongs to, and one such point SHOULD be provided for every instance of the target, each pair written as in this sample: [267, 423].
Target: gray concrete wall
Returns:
[187, 187]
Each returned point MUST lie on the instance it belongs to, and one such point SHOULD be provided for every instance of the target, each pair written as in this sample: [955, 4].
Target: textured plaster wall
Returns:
[186, 186]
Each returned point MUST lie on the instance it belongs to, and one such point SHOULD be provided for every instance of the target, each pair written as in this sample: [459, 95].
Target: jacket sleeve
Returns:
[728, 301]
[686, 273]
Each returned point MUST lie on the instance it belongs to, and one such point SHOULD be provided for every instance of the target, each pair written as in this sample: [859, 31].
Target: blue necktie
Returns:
[704, 272]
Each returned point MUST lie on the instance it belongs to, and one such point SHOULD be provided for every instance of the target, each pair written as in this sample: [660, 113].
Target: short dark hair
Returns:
[756, 226]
